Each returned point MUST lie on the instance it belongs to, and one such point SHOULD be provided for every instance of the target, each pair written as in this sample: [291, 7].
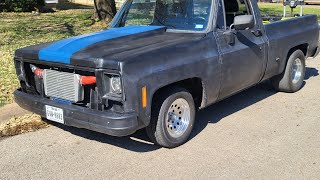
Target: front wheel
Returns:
[291, 80]
[172, 119]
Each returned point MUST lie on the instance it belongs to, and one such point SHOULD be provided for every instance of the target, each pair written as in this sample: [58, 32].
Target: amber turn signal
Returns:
[144, 96]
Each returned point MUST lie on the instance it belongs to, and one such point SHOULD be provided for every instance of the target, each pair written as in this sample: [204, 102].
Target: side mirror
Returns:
[229, 36]
[243, 22]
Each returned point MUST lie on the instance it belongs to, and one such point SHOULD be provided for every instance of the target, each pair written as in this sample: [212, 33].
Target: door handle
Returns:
[257, 32]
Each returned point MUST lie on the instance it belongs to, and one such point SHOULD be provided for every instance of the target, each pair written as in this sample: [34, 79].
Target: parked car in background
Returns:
[315, 2]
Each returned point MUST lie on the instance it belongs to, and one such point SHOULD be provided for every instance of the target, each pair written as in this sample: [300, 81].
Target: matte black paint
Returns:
[284, 35]
[104, 122]
[159, 58]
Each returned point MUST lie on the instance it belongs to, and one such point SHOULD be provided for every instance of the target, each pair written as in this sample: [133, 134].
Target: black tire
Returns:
[283, 82]
[157, 130]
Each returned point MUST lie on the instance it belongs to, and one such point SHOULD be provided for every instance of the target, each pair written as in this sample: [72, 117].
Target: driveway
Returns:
[257, 134]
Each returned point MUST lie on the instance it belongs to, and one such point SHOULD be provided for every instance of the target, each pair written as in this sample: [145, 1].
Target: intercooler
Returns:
[63, 85]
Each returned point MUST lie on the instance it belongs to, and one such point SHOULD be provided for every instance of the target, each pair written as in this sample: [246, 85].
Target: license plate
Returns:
[54, 114]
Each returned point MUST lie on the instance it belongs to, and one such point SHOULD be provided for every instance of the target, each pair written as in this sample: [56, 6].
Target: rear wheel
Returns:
[172, 119]
[291, 80]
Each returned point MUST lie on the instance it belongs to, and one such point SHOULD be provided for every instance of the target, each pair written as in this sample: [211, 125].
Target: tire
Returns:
[291, 80]
[172, 118]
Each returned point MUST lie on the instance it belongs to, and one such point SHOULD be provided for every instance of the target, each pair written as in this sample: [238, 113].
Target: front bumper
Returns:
[106, 122]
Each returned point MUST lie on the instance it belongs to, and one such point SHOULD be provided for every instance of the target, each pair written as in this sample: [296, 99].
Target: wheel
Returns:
[291, 80]
[172, 119]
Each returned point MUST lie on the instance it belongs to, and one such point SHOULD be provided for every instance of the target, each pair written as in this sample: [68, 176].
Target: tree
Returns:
[104, 10]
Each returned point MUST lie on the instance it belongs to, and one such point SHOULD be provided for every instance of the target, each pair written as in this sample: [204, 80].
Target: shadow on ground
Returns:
[139, 141]
[311, 72]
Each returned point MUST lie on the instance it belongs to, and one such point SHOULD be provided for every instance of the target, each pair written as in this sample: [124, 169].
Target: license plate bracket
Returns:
[54, 114]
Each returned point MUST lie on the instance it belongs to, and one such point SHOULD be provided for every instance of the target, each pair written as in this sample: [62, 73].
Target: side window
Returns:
[235, 8]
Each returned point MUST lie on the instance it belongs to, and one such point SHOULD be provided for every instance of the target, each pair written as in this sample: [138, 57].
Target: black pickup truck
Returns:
[160, 61]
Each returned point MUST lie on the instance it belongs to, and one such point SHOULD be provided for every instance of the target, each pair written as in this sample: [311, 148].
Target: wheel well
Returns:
[193, 85]
[302, 47]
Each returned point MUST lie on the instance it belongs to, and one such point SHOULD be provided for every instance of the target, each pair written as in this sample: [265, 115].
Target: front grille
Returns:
[63, 85]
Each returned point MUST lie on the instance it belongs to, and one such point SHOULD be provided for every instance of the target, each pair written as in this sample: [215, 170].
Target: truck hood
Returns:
[107, 48]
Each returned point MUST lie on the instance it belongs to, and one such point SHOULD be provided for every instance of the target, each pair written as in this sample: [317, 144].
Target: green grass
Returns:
[277, 9]
[23, 29]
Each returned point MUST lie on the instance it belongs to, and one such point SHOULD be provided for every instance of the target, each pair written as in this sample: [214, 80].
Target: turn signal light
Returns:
[87, 80]
[144, 96]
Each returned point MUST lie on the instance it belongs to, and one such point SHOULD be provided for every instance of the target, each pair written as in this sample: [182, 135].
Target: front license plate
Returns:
[54, 114]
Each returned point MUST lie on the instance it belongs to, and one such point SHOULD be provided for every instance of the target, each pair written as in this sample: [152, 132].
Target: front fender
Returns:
[157, 69]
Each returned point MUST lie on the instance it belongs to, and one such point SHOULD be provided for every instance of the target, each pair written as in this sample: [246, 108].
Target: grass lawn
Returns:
[277, 9]
[22, 29]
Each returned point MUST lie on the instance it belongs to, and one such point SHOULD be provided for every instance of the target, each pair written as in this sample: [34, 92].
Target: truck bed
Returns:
[285, 34]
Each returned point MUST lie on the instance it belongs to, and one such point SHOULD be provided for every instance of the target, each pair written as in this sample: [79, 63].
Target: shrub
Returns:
[20, 5]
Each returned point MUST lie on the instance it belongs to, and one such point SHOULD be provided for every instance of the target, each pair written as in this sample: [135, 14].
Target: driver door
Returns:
[242, 61]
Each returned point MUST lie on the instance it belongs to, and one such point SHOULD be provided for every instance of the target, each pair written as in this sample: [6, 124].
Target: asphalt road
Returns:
[257, 134]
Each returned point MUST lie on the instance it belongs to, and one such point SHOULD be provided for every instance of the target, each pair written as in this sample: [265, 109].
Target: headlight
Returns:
[115, 84]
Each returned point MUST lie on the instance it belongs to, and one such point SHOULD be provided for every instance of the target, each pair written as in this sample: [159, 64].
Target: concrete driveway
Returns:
[257, 134]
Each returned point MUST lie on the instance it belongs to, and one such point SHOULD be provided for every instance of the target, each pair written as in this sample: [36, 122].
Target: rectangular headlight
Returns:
[115, 85]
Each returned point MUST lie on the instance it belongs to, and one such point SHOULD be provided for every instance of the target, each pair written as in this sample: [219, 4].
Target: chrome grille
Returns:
[62, 85]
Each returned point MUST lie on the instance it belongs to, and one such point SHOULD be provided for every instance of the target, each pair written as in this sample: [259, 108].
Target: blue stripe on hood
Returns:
[62, 51]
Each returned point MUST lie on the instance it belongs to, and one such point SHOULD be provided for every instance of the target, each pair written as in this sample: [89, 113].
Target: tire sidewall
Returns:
[296, 55]
[163, 117]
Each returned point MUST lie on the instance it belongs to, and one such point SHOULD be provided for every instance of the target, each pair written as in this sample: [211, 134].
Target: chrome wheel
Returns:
[178, 117]
[296, 70]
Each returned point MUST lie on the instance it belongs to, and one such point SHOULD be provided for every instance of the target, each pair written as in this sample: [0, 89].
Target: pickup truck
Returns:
[159, 62]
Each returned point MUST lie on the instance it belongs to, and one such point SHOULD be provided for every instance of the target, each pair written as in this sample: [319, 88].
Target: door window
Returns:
[235, 8]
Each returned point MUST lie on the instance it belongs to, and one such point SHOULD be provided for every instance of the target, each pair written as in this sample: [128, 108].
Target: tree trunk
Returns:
[104, 10]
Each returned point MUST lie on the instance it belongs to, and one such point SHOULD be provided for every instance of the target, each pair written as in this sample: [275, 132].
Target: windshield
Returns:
[174, 14]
